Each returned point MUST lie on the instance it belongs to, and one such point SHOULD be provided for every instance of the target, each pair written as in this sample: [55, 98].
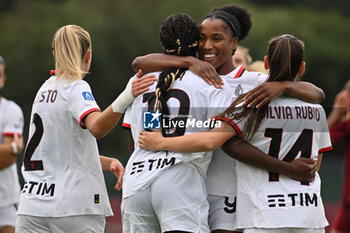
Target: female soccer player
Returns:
[64, 188]
[219, 35]
[165, 192]
[11, 118]
[287, 129]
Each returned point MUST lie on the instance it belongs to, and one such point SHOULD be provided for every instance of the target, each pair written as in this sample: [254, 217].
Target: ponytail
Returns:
[285, 56]
[70, 45]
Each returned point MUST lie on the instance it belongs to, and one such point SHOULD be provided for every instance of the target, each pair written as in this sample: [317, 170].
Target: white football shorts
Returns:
[222, 212]
[285, 230]
[8, 215]
[72, 224]
[175, 201]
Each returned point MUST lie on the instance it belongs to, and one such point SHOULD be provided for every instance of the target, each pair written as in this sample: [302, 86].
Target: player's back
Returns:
[291, 129]
[61, 158]
[191, 103]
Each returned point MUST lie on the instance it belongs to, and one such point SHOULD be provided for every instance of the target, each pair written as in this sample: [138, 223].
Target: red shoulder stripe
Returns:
[240, 72]
[230, 122]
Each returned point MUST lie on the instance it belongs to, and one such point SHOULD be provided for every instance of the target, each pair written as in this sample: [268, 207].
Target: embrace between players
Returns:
[180, 179]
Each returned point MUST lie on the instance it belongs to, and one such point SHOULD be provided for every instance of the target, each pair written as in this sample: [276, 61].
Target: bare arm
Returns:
[319, 161]
[339, 110]
[101, 123]
[267, 91]
[7, 155]
[131, 143]
[334, 117]
[158, 61]
[305, 91]
[113, 165]
[300, 169]
[196, 142]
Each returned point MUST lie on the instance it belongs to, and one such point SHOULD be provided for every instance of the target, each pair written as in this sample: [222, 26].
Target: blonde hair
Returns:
[70, 44]
[2, 61]
[247, 56]
[347, 85]
[258, 66]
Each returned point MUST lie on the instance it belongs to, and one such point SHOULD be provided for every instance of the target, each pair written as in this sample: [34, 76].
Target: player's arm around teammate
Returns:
[101, 123]
[256, 97]
[159, 61]
[300, 169]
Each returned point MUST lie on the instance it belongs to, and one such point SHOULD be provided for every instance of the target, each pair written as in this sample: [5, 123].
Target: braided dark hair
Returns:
[236, 18]
[178, 36]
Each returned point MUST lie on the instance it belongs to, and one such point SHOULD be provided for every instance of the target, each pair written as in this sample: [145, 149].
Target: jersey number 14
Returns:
[303, 145]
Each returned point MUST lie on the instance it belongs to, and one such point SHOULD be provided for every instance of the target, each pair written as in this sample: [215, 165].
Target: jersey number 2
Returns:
[34, 165]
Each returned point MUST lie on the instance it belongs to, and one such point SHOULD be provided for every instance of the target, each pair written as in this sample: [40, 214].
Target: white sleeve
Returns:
[13, 120]
[223, 98]
[127, 118]
[323, 138]
[261, 78]
[82, 101]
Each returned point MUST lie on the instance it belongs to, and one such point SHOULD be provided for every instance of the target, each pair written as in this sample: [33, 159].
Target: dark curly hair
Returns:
[236, 17]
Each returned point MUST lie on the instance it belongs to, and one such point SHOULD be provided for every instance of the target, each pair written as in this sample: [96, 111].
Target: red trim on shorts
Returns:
[85, 114]
[325, 149]
[240, 72]
[52, 72]
[126, 125]
[230, 122]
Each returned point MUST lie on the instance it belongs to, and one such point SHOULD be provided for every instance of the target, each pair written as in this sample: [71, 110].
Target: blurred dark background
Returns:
[124, 29]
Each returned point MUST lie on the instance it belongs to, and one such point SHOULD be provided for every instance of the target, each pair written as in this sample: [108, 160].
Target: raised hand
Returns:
[264, 93]
[207, 72]
[142, 84]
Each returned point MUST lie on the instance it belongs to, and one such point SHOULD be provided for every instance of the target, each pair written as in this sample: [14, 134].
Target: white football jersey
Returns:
[291, 129]
[221, 176]
[61, 165]
[192, 102]
[11, 123]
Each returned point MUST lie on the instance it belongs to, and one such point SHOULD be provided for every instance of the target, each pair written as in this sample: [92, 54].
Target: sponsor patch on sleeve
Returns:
[88, 97]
